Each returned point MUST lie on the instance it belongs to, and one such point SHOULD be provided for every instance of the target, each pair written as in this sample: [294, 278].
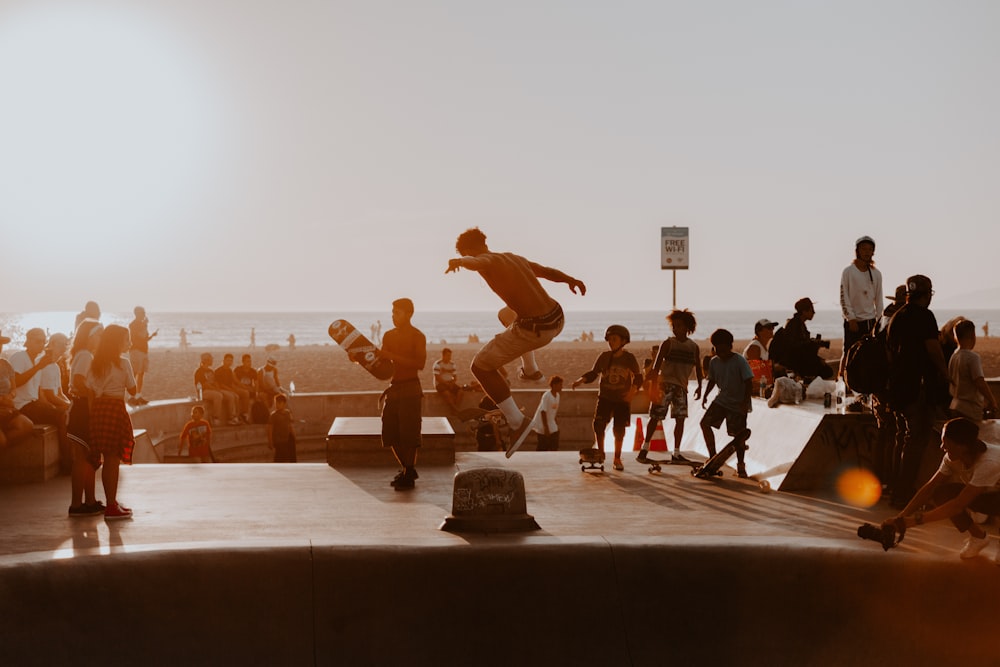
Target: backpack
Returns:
[777, 349]
[866, 364]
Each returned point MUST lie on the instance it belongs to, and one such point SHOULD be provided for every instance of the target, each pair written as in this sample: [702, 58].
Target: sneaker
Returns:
[402, 474]
[534, 377]
[86, 510]
[973, 545]
[642, 458]
[741, 470]
[516, 437]
[117, 512]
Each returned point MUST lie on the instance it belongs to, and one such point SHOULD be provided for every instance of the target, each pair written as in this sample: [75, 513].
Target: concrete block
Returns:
[34, 459]
[357, 441]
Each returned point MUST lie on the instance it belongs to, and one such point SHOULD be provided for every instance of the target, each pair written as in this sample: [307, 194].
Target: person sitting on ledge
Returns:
[794, 349]
[967, 480]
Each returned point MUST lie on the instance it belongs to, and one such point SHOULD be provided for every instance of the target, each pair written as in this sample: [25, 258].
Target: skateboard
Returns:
[655, 465]
[713, 466]
[359, 349]
[592, 459]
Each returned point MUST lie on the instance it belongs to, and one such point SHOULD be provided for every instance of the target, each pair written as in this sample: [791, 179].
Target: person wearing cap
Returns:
[968, 480]
[14, 426]
[268, 382]
[860, 294]
[918, 382]
[795, 349]
[756, 351]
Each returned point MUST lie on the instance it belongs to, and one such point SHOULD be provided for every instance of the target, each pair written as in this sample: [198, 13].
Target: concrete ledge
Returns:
[34, 459]
[503, 601]
[357, 441]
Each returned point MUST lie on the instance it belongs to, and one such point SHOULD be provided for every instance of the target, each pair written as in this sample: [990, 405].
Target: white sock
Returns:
[528, 363]
[512, 413]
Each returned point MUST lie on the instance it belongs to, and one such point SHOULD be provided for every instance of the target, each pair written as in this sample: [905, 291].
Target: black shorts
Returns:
[608, 410]
[401, 415]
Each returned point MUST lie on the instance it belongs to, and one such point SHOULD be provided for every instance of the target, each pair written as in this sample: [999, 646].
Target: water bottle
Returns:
[291, 387]
[197, 388]
[841, 393]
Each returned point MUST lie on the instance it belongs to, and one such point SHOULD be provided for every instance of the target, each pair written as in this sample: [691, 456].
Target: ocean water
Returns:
[234, 329]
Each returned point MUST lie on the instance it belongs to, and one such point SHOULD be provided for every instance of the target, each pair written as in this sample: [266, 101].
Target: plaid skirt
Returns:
[111, 428]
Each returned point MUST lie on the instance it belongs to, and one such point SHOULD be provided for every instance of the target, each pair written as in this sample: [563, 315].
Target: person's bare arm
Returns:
[557, 276]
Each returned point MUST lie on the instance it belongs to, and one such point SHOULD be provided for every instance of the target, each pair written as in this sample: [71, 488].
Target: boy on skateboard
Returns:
[668, 379]
[539, 318]
[620, 377]
[731, 373]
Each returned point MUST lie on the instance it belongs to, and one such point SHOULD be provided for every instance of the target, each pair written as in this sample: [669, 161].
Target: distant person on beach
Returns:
[291, 342]
[90, 311]
[446, 381]
[184, 340]
[756, 353]
[968, 480]
[621, 378]
[225, 376]
[14, 426]
[970, 393]
[668, 379]
[539, 318]
[795, 350]
[406, 347]
[109, 378]
[138, 355]
[731, 373]
[544, 424]
[253, 338]
[86, 459]
[860, 295]
[280, 433]
[221, 401]
[197, 435]
[918, 383]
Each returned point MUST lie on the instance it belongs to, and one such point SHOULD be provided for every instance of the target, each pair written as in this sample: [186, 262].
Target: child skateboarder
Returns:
[668, 379]
[620, 377]
[731, 373]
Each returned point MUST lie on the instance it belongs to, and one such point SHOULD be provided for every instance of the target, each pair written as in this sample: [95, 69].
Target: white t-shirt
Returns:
[985, 472]
[756, 343]
[28, 391]
[444, 371]
[550, 406]
[964, 368]
[51, 379]
[117, 381]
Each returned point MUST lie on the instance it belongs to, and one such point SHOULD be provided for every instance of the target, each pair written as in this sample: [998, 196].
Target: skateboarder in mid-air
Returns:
[731, 373]
[539, 318]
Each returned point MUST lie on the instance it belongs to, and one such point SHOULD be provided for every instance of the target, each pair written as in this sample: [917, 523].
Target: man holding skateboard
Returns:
[406, 347]
[539, 318]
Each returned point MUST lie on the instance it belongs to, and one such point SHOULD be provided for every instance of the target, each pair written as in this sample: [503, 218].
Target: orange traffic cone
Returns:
[658, 443]
[639, 438]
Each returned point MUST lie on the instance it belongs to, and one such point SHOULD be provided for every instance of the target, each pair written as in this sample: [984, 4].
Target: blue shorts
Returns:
[736, 420]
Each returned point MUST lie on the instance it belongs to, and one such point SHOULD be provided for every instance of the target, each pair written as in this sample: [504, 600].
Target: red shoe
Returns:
[117, 512]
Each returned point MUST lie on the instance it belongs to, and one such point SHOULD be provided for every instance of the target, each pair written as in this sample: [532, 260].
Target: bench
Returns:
[357, 441]
[34, 459]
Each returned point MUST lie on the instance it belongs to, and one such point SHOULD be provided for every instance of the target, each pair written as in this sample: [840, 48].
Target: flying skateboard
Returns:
[592, 459]
[713, 466]
[359, 349]
[655, 465]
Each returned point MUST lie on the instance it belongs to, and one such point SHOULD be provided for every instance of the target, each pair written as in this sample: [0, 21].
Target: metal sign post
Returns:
[674, 249]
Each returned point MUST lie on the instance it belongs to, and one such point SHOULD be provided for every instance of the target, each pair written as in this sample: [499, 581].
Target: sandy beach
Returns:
[319, 368]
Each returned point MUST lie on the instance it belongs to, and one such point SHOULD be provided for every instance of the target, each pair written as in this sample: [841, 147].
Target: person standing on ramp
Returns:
[406, 347]
[539, 318]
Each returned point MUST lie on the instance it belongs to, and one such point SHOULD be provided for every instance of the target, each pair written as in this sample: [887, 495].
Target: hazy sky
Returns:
[324, 155]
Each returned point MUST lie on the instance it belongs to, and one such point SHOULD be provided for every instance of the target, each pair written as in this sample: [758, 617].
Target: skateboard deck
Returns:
[592, 459]
[713, 466]
[359, 349]
[656, 465]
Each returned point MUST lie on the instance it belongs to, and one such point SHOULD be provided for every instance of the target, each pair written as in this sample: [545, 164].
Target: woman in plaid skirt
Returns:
[109, 377]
